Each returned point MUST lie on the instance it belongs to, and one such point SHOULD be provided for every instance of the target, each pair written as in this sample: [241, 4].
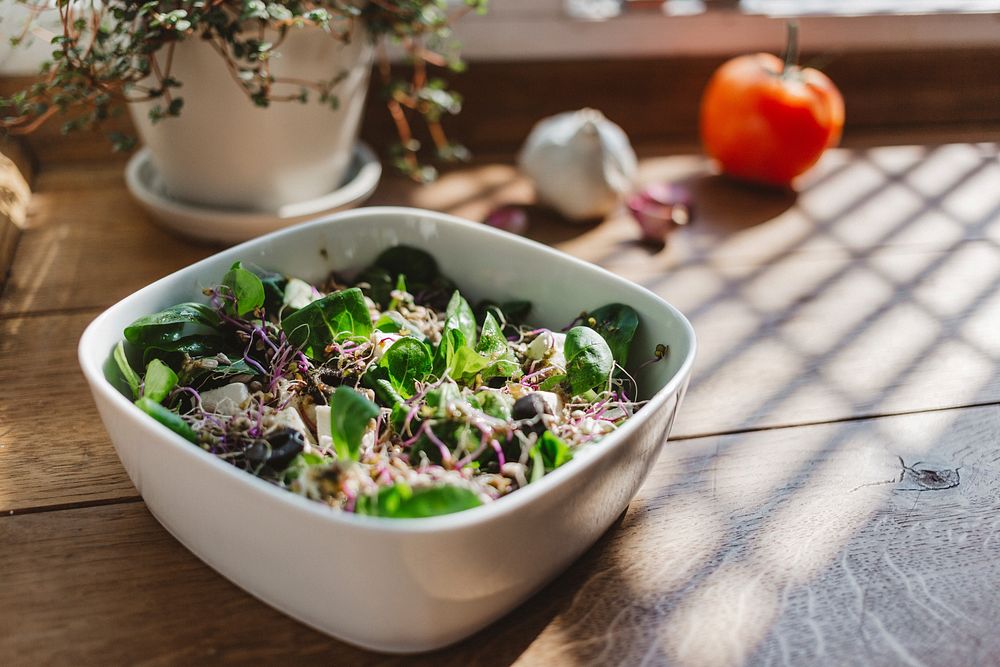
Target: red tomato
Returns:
[765, 125]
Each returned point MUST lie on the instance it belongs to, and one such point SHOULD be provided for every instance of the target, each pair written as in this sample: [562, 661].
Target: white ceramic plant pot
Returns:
[226, 152]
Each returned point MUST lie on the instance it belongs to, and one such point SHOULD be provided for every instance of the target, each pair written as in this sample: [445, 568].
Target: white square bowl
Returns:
[396, 585]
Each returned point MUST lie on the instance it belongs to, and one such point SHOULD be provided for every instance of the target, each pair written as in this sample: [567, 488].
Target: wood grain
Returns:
[867, 542]
[871, 292]
[79, 219]
[854, 201]
[813, 545]
[54, 450]
[874, 293]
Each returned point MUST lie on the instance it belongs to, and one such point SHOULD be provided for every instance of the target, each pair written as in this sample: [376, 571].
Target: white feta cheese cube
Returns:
[548, 346]
[552, 401]
[228, 400]
[323, 423]
[299, 294]
[540, 347]
[289, 417]
[383, 341]
[591, 426]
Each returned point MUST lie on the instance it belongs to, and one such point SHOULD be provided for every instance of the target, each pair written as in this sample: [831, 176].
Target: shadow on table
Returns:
[502, 642]
[721, 207]
[545, 225]
[725, 206]
[815, 525]
[839, 541]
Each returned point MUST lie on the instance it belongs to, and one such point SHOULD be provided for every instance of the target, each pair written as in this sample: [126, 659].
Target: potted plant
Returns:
[244, 103]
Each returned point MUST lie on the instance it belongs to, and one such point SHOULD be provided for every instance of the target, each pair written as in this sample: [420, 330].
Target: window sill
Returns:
[522, 30]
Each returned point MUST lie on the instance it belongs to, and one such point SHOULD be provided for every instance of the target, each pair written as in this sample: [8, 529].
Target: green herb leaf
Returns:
[244, 288]
[459, 316]
[492, 343]
[589, 361]
[209, 370]
[167, 417]
[376, 378]
[126, 370]
[379, 285]
[550, 383]
[238, 367]
[617, 323]
[350, 413]
[168, 327]
[552, 450]
[496, 404]
[160, 379]
[407, 361]
[444, 355]
[400, 287]
[333, 318]
[174, 354]
[493, 346]
[456, 358]
[401, 502]
[438, 401]
[537, 464]
[417, 265]
[274, 290]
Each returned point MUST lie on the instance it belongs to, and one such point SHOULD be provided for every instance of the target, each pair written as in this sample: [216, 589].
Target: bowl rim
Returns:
[92, 368]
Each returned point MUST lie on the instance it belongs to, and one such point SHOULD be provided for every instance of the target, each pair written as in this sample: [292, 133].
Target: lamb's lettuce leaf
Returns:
[350, 413]
[334, 318]
[589, 360]
[400, 501]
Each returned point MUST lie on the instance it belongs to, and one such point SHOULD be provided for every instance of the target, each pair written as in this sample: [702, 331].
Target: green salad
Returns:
[386, 394]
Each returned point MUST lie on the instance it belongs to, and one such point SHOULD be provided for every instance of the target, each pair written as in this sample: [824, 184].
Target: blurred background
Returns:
[902, 65]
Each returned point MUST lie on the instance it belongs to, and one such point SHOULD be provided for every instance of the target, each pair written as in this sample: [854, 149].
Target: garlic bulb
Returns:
[582, 163]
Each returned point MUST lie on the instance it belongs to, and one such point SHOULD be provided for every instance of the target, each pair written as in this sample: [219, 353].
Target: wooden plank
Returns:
[810, 545]
[813, 339]
[78, 219]
[799, 303]
[53, 448]
[864, 298]
[819, 340]
[855, 199]
[831, 544]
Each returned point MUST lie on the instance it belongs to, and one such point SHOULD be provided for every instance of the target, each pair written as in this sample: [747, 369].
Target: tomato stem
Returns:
[791, 49]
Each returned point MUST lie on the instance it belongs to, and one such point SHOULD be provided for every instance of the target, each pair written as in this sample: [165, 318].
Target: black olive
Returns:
[496, 382]
[257, 453]
[528, 411]
[277, 450]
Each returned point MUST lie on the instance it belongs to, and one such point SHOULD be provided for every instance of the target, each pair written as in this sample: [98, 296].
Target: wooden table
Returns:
[830, 494]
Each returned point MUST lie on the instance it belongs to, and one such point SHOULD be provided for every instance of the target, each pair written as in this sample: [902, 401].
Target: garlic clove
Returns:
[581, 163]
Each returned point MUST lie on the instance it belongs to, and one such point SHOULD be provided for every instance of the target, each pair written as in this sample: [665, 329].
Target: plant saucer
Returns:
[228, 226]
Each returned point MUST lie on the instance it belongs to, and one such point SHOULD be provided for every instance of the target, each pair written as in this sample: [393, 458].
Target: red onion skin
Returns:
[512, 219]
[659, 209]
